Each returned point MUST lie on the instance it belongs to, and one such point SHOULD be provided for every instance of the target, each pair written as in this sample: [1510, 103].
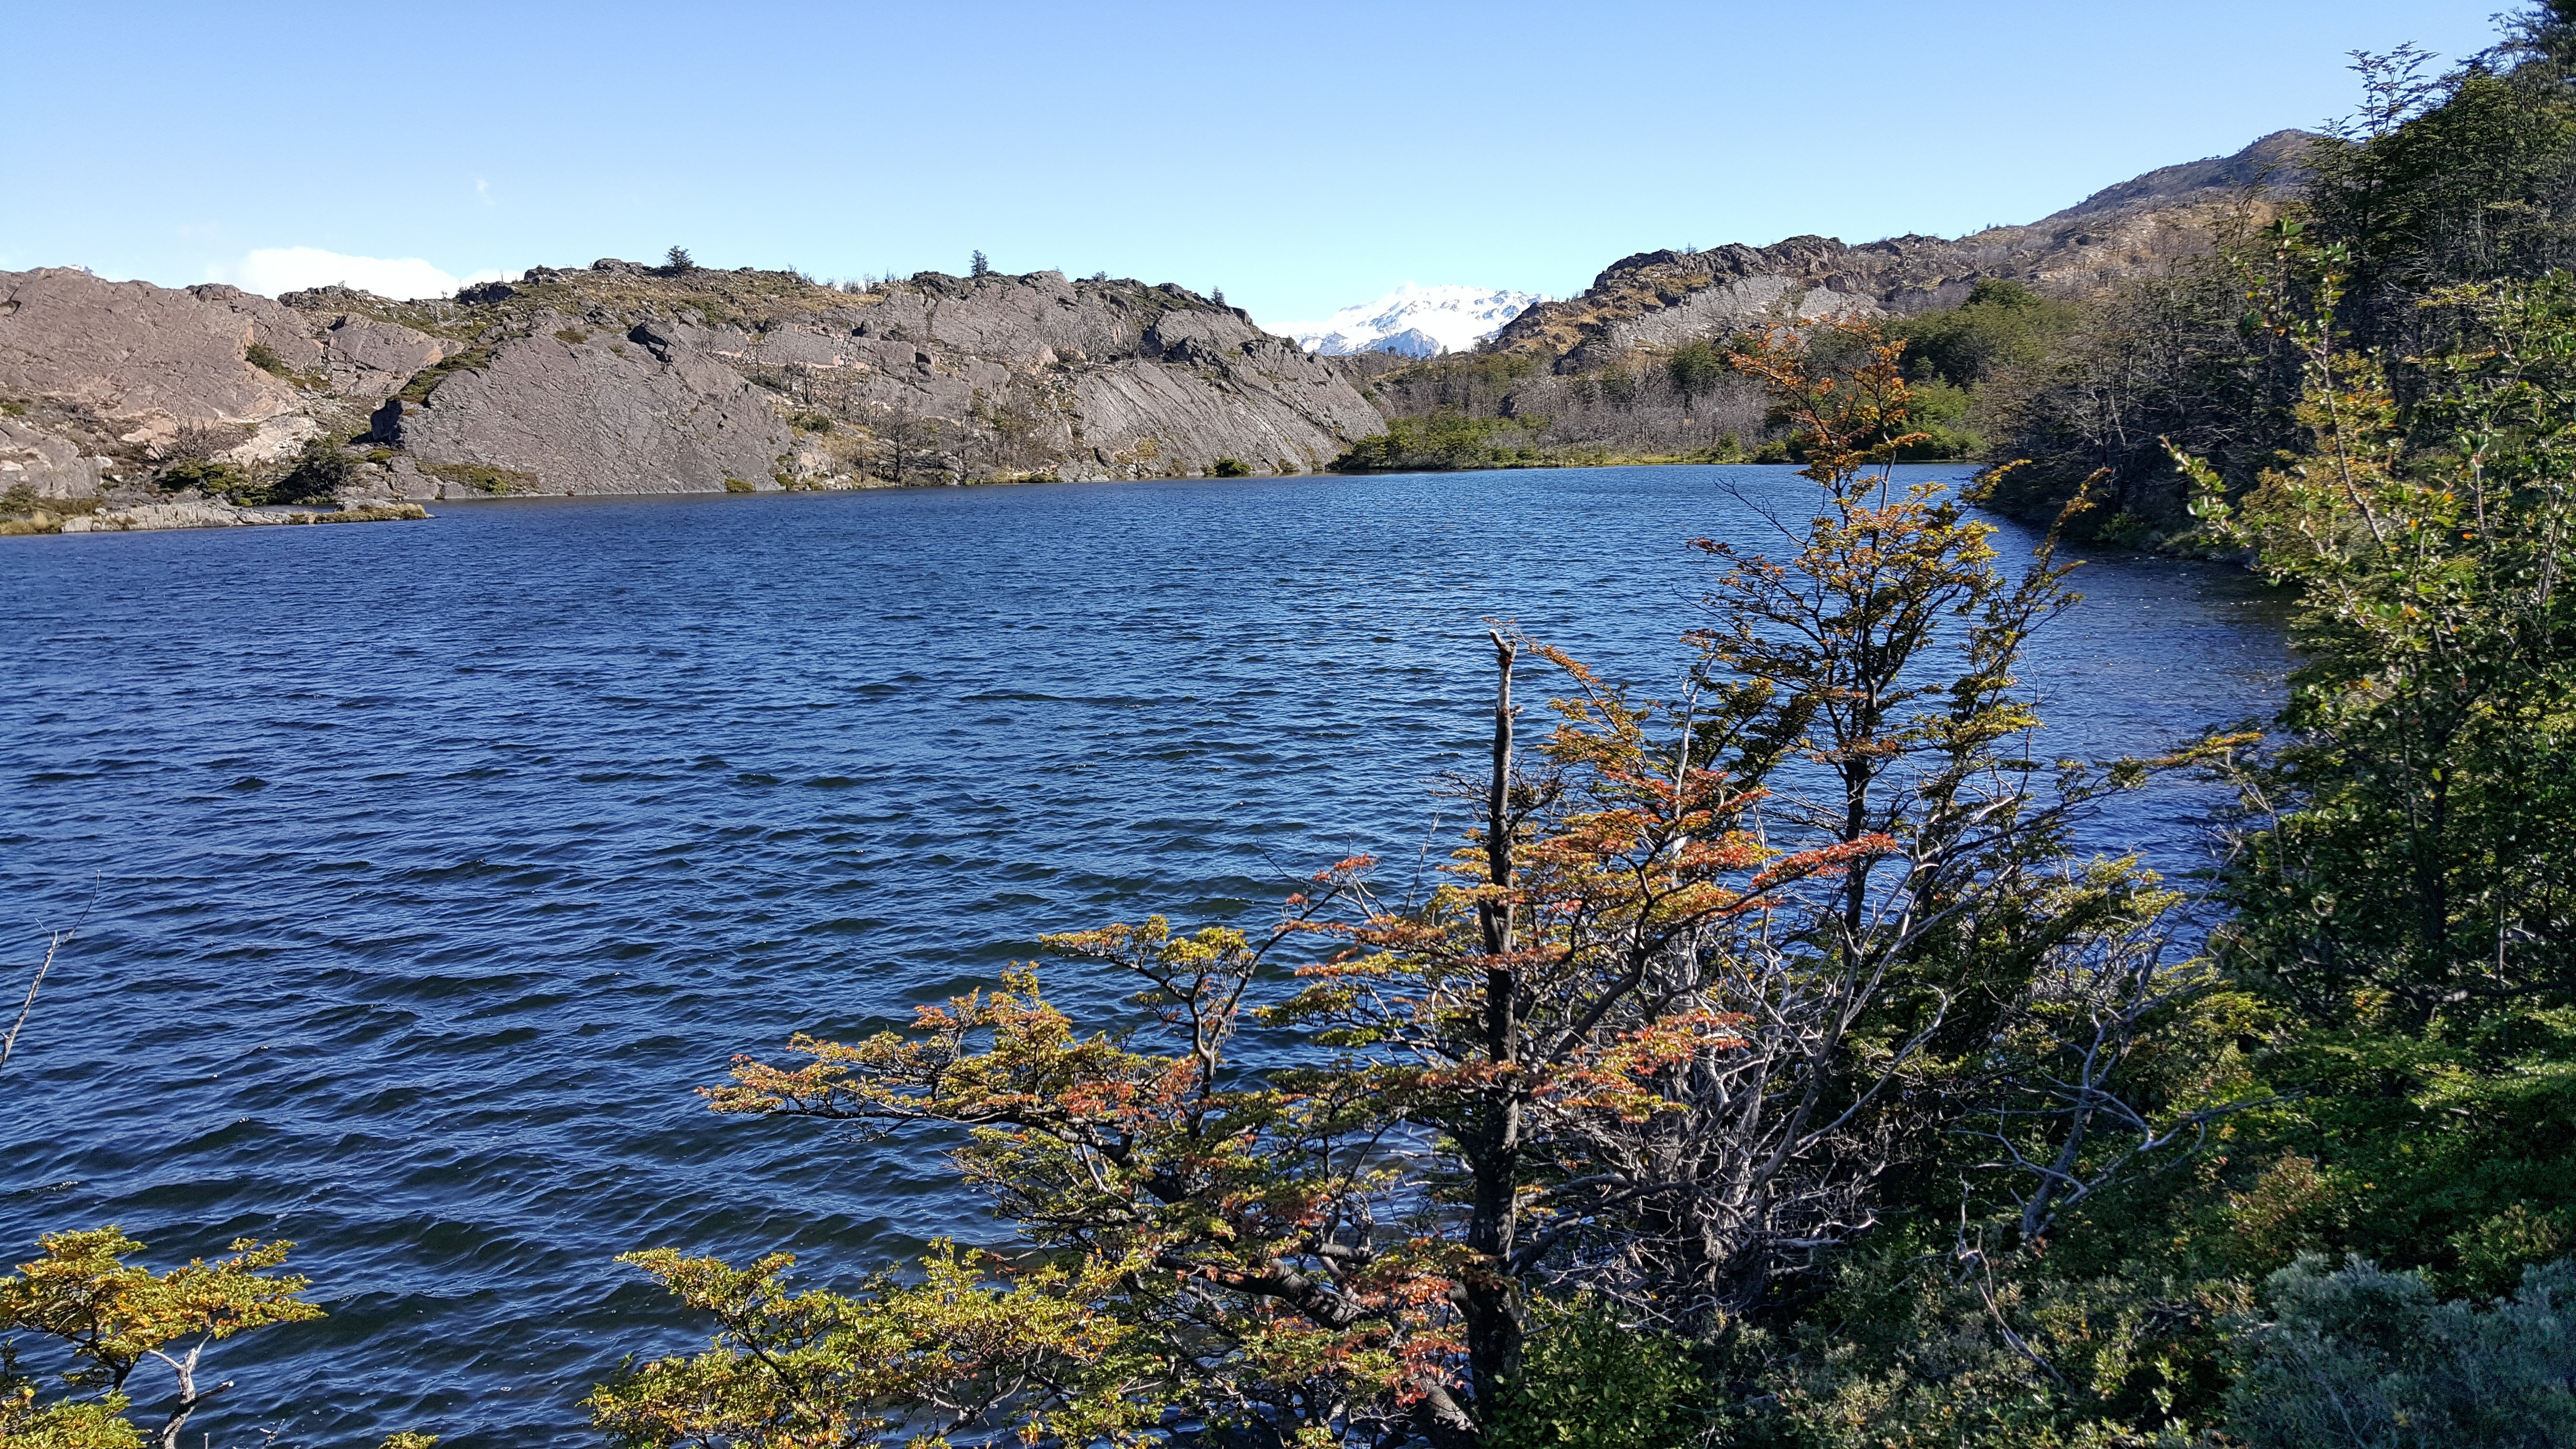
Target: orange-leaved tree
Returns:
[1658, 1036]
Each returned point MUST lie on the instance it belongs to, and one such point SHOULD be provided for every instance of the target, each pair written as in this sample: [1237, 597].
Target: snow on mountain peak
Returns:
[1415, 321]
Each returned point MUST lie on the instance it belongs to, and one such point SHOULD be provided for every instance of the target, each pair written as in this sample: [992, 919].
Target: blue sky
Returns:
[1302, 157]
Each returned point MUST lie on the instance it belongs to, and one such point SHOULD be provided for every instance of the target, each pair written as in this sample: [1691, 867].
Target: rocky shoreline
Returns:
[620, 378]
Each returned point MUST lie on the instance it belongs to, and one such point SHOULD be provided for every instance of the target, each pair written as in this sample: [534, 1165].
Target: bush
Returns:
[317, 477]
[1441, 441]
[1594, 1382]
[2371, 1360]
[206, 475]
[736, 485]
[1230, 468]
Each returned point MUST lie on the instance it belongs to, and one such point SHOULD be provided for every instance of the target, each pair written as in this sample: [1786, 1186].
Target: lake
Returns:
[435, 863]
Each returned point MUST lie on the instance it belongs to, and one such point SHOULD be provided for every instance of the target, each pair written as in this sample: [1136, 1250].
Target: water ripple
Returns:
[437, 863]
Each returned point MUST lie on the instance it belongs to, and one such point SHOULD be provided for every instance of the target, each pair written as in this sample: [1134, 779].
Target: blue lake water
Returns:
[435, 863]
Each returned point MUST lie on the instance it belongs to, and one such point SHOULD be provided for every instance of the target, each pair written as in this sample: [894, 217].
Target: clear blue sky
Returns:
[1301, 156]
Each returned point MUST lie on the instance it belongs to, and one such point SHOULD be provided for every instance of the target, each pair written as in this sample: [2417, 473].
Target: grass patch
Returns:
[737, 485]
[372, 513]
[572, 336]
[483, 477]
[22, 512]
[261, 356]
[13, 407]
[426, 381]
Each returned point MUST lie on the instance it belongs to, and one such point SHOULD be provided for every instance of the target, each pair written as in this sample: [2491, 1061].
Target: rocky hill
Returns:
[2141, 227]
[621, 378]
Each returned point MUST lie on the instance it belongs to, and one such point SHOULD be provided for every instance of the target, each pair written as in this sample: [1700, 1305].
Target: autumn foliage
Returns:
[1652, 1040]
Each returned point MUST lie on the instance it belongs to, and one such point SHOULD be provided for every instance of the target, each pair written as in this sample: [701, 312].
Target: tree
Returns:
[1697, 369]
[1657, 1038]
[678, 261]
[2399, 880]
[110, 1316]
[978, 267]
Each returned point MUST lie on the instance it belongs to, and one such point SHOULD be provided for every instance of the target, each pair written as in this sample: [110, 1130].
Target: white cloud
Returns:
[271, 270]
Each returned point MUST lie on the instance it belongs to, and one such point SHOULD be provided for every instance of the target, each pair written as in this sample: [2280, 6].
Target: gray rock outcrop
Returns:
[2139, 228]
[624, 378]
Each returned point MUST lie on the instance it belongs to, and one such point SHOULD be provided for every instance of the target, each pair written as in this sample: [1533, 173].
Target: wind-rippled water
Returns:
[435, 863]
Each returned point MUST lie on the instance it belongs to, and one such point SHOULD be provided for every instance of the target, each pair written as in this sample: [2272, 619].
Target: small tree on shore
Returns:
[1655, 1040]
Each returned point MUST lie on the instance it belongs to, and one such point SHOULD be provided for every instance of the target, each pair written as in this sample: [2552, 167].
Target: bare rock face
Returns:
[545, 415]
[624, 378]
[46, 465]
[157, 359]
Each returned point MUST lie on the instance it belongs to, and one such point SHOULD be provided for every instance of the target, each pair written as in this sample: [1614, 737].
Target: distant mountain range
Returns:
[1415, 321]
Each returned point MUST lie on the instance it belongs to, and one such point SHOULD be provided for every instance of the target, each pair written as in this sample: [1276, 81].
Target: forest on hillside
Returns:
[1769, 1066]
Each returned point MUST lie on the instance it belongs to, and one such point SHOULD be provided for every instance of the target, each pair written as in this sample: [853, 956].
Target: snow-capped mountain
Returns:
[1415, 321]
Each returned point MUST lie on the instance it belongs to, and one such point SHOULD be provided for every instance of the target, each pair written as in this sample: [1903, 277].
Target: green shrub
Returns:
[208, 476]
[13, 407]
[572, 336]
[1438, 442]
[737, 485]
[812, 422]
[1591, 1382]
[319, 472]
[1231, 468]
[426, 381]
[261, 357]
[2360, 1359]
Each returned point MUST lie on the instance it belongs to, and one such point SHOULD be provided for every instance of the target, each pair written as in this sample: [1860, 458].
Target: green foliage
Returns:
[259, 355]
[1592, 1382]
[1230, 468]
[976, 266]
[2003, 323]
[738, 485]
[787, 1370]
[1697, 368]
[812, 422]
[321, 470]
[209, 476]
[2469, 177]
[110, 1315]
[571, 336]
[1440, 441]
[2356, 1358]
[426, 381]
[678, 261]
[1921, 1345]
